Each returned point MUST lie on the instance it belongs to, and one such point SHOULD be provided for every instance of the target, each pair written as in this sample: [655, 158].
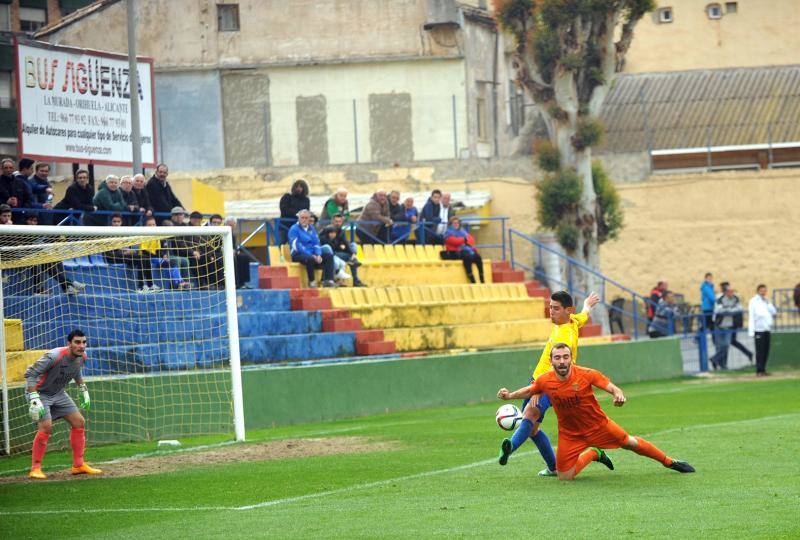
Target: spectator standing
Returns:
[761, 318]
[738, 324]
[445, 212]
[140, 189]
[708, 300]
[377, 213]
[662, 324]
[14, 191]
[726, 308]
[655, 297]
[137, 260]
[305, 248]
[79, 195]
[337, 204]
[183, 249]
[290, 204]
[109, 199]
[402, 231]
[41, 190]
[430, 216]
[459, 244]
[159, 191]
[131, 200]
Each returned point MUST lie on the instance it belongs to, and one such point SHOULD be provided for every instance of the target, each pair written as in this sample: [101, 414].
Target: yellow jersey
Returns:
[561, 333]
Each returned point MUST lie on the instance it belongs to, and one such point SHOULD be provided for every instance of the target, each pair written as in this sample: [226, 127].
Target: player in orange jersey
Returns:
[583, 428]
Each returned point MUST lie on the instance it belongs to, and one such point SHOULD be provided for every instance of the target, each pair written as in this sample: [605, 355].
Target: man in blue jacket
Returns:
[707, 300]
[305, 249]
[431, 216]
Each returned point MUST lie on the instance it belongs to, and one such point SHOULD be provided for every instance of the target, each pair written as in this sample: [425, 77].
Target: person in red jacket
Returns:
[459, 244]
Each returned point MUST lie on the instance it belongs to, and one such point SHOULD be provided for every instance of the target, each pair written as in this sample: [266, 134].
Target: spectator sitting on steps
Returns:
[459, 244]
[344, 250]
[108, 198]
[655, 297]
[79, 196]
[376, 212]
[305, 248]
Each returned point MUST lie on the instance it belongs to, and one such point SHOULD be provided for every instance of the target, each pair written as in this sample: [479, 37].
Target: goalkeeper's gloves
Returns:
[36, 409]
[83, 399]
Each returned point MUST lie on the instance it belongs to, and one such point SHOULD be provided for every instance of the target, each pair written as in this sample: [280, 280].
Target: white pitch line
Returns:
[357, 487]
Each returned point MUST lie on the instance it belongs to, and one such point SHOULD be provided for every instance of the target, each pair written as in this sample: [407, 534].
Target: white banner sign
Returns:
[74, 105]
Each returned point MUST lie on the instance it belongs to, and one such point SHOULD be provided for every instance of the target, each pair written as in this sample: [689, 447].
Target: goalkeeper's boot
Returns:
[603, 458]
[547, 472]
[505, 451]
[37, 474]
[681, 466]
[86, 469]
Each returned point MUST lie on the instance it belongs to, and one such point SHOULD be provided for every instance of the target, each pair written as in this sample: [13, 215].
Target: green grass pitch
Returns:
[433, 474]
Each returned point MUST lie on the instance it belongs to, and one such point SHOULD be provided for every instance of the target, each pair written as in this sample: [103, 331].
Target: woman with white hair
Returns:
[108, 200]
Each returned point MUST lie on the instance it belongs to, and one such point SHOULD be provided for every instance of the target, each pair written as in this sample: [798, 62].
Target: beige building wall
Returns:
[759, 33]
[271, 31]
[429, 84]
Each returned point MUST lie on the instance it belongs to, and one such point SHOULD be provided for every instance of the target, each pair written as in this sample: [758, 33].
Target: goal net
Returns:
[158, 307]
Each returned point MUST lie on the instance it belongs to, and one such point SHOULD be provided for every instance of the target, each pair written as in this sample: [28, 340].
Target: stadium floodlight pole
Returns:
[4, 373]
[136, 135]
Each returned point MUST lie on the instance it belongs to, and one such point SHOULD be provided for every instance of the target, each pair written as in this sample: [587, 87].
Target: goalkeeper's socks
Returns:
[542, 442]
[522, 433]
[39, 448]
[77, 439]
[648, 449]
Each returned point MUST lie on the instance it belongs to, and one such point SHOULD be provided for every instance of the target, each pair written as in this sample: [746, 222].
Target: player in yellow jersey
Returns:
[566, 326]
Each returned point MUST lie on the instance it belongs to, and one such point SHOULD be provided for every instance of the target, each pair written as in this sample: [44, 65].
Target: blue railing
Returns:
[786, 301]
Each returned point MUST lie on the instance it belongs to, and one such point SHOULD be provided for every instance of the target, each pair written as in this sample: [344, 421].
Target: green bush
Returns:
[558, 195]
[547, 156]
[589, 133]
[609, 205]
[567, 234]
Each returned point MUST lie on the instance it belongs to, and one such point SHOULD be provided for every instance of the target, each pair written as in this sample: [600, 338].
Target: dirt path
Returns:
[264, 451]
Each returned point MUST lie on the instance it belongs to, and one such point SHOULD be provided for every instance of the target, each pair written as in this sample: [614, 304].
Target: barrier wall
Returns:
[123, 409]
[784, 350]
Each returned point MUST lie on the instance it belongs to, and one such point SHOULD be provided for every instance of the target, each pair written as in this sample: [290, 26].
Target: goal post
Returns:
[159, 308]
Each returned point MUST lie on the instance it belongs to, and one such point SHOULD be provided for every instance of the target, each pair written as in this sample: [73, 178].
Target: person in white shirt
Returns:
[761, 317]
[444, 214]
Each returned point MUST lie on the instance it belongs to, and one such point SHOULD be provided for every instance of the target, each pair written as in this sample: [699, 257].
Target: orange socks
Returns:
[77, 439]
[584, 459]
[647, 449]
[39, 448]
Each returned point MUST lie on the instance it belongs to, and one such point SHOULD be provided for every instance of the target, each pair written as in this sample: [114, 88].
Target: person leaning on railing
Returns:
[665, 311]
[79, 196]
[108, 198]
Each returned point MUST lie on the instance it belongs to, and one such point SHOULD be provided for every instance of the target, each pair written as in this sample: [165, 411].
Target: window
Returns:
[5, 17]
[731, 7]
[481, 119]
[31, 19]
[714, 11]
[6, 100]
[228, 17]
[665, 15]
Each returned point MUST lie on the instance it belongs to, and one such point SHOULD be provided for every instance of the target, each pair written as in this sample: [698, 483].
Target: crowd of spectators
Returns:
[387, 217]
[186, 261]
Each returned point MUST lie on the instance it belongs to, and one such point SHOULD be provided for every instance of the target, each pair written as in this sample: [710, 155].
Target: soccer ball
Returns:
[508, 417]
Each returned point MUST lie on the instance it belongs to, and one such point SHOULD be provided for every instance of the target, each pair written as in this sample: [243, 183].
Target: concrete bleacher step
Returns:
[278, 282]
[372, 348]
[536, 290]
[501, 265]
[349, 324]
[508, 276]
[590, 329]
[311, 303]
[334, 314]
[366, 336]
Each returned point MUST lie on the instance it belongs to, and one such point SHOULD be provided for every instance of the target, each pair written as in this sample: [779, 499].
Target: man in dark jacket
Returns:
[334, 236]
[291, 203]
[79, 196]
[160, 192]
[42, 192]
[14, 191]
[140, 189]
[131, 200]
[431, 216]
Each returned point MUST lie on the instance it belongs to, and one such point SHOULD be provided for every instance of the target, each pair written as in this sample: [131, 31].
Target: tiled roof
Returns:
[690, 109]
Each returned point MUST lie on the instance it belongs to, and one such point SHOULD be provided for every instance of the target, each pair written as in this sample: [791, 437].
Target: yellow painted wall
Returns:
[760, 33]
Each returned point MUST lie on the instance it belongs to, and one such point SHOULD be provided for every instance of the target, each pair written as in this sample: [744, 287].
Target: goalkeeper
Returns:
[46, 380]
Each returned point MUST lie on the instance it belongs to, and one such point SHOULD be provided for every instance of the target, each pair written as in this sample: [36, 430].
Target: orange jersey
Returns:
[573, 399]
